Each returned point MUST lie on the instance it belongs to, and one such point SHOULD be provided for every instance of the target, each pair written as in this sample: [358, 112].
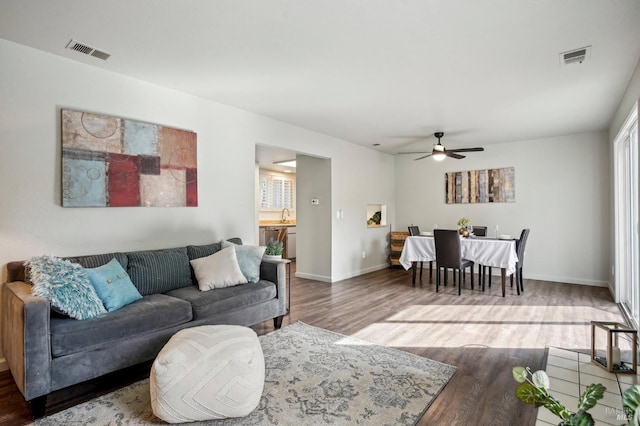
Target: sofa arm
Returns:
[25, 338]
[276, 271]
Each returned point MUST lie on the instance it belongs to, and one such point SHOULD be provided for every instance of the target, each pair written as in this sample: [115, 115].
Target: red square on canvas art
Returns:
[124, 185]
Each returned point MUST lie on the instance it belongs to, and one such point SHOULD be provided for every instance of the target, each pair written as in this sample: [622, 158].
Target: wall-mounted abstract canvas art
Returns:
[481, 186]
[116, 162]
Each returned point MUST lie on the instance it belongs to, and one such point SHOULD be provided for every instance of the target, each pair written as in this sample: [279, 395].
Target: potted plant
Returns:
[534, 389]
[273, 250]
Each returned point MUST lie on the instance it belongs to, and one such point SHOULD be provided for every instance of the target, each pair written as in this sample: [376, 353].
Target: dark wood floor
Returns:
[482, 334]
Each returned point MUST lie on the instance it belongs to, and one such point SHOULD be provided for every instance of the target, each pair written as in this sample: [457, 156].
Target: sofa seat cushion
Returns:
[151, 313]
[212, 302]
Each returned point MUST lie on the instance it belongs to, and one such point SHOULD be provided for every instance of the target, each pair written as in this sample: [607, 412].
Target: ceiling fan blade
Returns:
[454, 155]
[414, 152]
[424, 156]
[466, 150]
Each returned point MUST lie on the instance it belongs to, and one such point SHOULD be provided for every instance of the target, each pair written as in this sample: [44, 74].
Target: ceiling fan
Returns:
[439, 152]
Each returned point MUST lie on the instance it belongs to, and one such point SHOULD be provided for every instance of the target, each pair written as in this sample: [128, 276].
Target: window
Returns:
[276, 192]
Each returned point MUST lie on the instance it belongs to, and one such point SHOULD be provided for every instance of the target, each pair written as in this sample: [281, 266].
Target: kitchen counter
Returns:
[288, 223]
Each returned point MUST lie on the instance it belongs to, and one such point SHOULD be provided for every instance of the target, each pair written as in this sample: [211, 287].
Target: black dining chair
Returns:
[481, 231]
[415, 231]
[521, 244]
[449, 255]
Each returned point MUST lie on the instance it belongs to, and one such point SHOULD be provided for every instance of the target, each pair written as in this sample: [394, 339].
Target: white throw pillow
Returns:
[219, 270]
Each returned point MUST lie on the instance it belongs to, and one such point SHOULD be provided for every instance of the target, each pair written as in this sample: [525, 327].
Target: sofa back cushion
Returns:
[158, 271]
[196, 252]
[97, 260]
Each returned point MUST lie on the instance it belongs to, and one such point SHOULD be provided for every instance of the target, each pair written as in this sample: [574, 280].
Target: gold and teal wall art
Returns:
[116, 162]
[481, 186]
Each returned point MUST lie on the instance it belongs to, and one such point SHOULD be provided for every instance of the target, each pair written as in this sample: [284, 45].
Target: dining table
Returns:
[486, 251]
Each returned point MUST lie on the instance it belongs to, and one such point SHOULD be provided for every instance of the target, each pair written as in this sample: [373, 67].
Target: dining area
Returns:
[460, 251]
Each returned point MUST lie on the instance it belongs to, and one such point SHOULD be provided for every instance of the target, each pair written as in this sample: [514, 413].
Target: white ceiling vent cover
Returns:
[576, 56]
[88, 50]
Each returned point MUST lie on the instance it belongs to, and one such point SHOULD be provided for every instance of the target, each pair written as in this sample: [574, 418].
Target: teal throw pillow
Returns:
[113, 285]
[249, 259]
[65, 285]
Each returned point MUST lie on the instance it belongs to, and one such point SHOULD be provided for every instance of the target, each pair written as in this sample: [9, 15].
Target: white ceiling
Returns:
[266, 157]
[367, 71]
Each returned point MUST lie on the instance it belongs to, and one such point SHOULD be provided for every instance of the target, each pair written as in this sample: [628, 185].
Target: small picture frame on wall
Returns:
[116, 162]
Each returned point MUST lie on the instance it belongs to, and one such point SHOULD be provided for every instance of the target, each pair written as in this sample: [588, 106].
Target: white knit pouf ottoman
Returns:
[207, 372]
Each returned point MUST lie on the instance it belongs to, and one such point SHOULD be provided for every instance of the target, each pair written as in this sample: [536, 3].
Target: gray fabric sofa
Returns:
[46, 351]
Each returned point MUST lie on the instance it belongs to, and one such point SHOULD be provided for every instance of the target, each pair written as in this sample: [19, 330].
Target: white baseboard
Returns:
[314, 277]
[495, 272]
[568, 280]
[334, 279]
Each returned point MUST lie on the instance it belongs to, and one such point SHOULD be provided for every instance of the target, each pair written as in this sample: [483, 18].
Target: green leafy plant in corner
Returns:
[534, 389]
[274, 248]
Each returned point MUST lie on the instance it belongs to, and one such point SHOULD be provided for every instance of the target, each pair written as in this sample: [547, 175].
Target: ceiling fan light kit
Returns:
[439, 152]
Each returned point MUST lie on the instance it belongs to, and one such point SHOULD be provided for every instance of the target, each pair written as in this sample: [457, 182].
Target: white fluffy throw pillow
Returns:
[219, 270]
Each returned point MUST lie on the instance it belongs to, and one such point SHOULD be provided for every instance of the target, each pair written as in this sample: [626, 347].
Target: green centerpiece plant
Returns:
[463, 222]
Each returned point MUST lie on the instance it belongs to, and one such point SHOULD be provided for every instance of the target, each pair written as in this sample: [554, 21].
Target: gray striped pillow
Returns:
[158, 271]
[196, 252]
[97, 260]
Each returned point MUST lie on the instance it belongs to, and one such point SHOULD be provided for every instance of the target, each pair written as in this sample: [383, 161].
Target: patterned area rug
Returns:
[313, 376]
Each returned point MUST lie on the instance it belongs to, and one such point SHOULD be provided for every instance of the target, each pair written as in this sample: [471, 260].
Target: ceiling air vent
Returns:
[88, 50]
[576, 56]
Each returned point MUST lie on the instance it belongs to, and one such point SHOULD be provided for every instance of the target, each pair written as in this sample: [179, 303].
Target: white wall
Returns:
[34, 86]
[630, 97]
[371, 182]
[562, 195]
[313, 257]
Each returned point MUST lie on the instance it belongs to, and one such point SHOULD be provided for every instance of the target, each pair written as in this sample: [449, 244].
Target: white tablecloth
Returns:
[484, 251]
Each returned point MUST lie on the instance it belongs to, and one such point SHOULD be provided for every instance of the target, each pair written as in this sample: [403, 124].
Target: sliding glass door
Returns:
[627, 218]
